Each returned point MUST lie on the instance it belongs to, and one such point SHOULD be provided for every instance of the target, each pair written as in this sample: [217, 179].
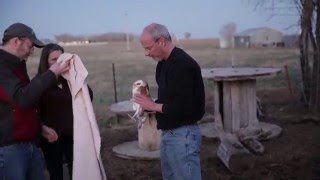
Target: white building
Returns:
[259, 37]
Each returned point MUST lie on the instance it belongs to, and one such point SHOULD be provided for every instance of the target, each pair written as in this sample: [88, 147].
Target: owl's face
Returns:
[140, 87]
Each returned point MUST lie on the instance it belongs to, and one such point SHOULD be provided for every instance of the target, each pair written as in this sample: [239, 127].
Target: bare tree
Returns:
[309, 43]
[69, 38]
[227, 31]
[106, 37]
[187, 35]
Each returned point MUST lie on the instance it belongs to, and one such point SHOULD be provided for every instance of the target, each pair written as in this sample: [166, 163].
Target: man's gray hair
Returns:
[157, 31]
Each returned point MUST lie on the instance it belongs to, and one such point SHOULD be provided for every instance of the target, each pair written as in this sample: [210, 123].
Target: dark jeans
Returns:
[55, 154]
[22, 161]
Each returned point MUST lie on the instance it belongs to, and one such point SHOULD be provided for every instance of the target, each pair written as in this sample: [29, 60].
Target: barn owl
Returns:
[149, 136]
[139, 87]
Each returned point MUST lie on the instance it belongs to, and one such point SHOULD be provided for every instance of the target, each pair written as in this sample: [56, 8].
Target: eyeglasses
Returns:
[24, 40]
[149, 48]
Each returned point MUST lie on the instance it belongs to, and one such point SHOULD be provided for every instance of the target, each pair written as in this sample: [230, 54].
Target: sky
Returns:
[202, 18]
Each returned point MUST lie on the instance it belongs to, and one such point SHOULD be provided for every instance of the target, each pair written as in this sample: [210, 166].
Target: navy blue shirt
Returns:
[181, 91]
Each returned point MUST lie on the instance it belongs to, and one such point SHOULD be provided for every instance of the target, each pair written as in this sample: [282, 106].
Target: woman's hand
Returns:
[49, 133]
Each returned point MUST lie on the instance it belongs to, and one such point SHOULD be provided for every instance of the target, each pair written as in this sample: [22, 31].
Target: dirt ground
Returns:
[293, 155]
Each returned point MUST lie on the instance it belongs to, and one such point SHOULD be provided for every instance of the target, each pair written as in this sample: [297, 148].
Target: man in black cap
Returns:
[20, 158]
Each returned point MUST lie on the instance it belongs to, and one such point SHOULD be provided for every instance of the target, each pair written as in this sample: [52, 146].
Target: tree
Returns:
[227, 31]
[187, 35]
[309, 44]
[309, 56]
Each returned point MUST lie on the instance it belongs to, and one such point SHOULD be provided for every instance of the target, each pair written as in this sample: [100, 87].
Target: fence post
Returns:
[288, 81]
[115, 89]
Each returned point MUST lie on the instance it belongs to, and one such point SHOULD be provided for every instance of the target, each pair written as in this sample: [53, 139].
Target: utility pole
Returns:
[127, 31]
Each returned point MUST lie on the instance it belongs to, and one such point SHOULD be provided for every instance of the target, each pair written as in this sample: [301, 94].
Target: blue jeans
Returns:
[179, 153]
[23, 161]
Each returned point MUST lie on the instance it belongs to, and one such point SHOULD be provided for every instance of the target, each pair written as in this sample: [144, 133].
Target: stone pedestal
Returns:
[148, 136]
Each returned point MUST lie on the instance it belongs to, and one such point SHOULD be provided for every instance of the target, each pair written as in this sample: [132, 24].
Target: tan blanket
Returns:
[87, 164]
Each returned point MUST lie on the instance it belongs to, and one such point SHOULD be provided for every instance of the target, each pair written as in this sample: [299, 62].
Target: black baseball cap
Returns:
[22, 30]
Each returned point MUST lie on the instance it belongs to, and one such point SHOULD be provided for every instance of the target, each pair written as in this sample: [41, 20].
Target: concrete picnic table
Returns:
[235, 113]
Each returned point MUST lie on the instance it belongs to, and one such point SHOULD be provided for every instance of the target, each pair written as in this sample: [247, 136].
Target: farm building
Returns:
[225, 41]
[241, 41]
[258, 37]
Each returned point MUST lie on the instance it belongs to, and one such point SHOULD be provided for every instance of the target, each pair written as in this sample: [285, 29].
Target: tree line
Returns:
[106, 37]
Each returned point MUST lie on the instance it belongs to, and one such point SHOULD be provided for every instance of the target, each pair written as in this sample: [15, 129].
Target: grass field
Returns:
[133, 65]
[293, 155]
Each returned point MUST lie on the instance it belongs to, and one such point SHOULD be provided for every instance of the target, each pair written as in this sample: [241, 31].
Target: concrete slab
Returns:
[208, 130]
[269, 131]
[130, 150]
